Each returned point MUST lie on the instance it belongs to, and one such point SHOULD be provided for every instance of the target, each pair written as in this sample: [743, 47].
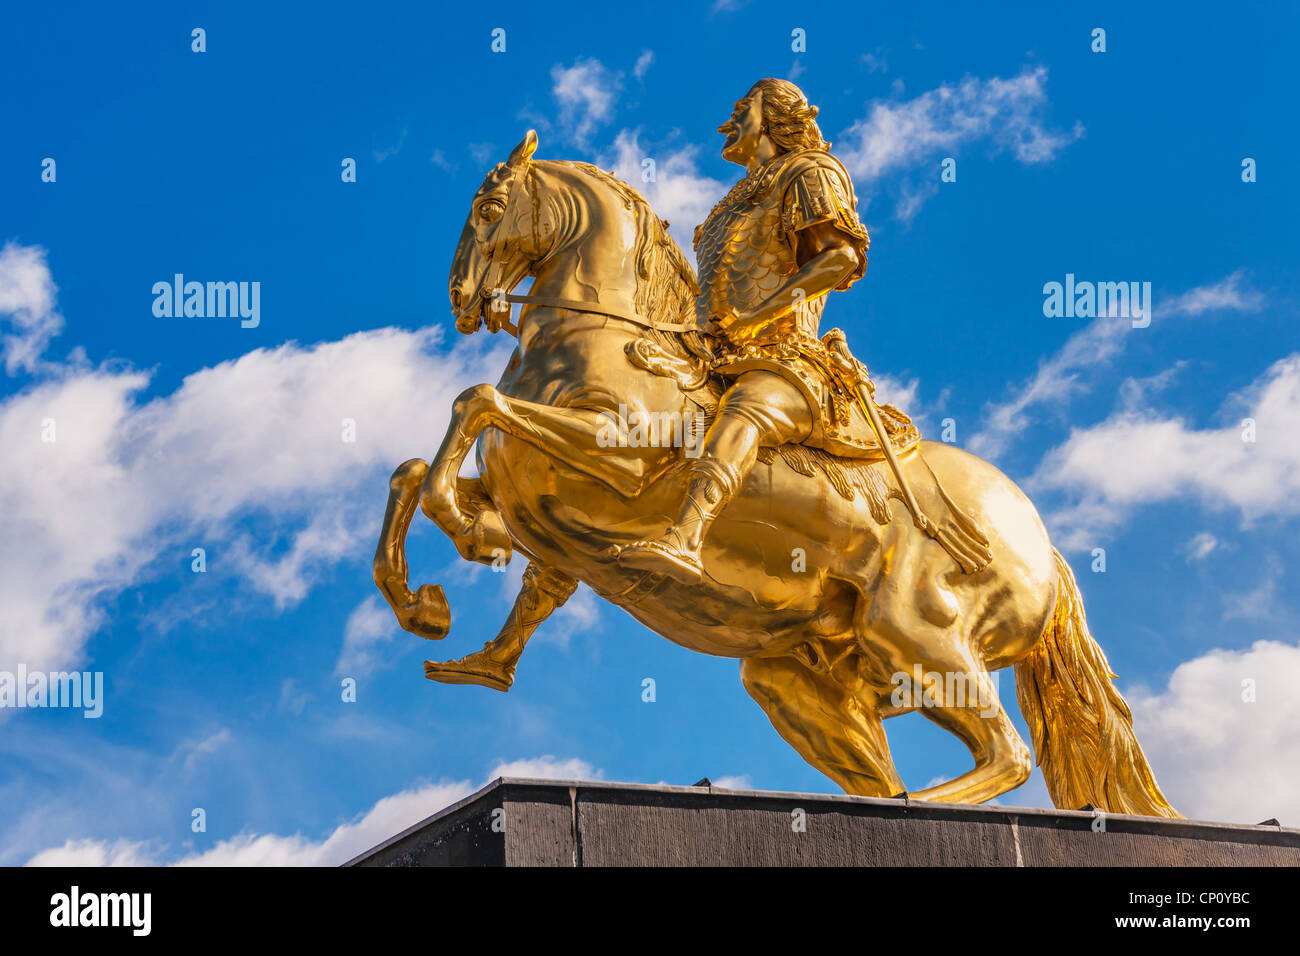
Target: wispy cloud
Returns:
[1006, 113]
[1233, 294]
[1200, 547]
[155, 479]
[439, 159]
[386, 818]
[586, 93]
[1095, 345]
[1228, 717]
[191, 752]
[369, 625]
[388, 152]
[27, 307]
[679, 192]
[1138, 457]
[1261, 601]
[483, 153]
[876, 61]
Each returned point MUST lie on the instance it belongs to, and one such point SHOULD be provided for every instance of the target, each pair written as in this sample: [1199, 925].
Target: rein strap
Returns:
[596, 308]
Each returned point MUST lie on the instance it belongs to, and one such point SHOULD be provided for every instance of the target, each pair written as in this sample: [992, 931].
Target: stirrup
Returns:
[659, 557]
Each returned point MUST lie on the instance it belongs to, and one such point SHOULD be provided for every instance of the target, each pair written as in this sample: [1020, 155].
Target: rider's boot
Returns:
[715, 477]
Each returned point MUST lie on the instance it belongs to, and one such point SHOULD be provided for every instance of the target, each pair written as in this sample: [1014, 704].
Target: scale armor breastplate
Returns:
[743, 256]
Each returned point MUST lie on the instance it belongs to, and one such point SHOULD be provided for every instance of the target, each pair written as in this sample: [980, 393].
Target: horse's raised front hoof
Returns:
[427, 615]
[477, 668]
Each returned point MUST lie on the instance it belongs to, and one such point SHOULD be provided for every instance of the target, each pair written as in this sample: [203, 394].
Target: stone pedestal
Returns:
[514, 822]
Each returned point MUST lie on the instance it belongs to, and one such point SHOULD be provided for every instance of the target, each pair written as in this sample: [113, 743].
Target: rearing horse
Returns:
[840, 611]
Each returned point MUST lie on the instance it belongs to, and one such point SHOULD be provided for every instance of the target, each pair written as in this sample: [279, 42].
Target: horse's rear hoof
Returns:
[462, 672]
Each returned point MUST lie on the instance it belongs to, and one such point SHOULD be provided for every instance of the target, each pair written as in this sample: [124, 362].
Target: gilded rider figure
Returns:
[778, 242]
[769, 252]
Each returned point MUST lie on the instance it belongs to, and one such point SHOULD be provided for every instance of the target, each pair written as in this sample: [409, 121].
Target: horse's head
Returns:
[503, 238]
[581, 232]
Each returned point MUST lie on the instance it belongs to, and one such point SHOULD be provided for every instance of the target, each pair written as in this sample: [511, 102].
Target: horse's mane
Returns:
[666, 284]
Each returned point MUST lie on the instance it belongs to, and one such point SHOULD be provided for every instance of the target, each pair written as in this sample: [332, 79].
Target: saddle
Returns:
[843, 445]
[841, 428]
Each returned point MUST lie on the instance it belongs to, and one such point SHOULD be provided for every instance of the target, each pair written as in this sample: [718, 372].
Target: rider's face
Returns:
[744, 129]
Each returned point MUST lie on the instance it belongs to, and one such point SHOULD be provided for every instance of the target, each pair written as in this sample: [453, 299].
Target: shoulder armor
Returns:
[815, 188]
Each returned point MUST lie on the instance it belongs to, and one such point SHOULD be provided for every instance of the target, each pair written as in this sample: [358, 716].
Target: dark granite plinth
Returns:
[515, 822]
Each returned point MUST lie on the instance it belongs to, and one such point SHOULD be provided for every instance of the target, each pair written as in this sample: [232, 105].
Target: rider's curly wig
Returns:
[787, 117]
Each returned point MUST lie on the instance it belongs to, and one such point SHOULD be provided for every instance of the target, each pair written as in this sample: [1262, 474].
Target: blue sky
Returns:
[222, 688]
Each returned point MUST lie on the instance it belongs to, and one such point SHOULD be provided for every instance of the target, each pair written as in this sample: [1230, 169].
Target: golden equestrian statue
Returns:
[855, 570]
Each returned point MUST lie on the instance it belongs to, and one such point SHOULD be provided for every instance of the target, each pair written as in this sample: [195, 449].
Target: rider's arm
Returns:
[829, 244]
[826, 256]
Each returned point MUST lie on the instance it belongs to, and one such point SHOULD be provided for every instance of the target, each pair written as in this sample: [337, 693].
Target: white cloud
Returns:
[586, 93]
[1260, 601]
[385, 819]
[643, 64]
[547, 768]
[876, 61]
[1216, 756]
[738, 781]
[1138, 458]
[439, 159]
[370, 623]
[1199, 548]
[484, 153]
[390, 151]
[327, 537]
[1007, 112]
[905, 396]
[388, 817]
[291, 699]
[1095, 345]
[1057, 378]
[1230, 294]
[679, 192]
[95, 853]
[27, 299]
[580, 614]
[126, 483]
[195, 750]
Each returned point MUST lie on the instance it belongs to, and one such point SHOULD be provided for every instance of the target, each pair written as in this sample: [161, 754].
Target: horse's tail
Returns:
[1081, 727]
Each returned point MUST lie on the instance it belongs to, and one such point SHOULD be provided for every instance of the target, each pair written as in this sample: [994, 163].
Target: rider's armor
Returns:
[747, 248]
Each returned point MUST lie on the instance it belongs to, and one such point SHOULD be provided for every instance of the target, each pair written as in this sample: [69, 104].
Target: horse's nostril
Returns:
[456, 298]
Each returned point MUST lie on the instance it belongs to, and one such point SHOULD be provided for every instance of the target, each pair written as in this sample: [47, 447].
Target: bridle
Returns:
[491, 286]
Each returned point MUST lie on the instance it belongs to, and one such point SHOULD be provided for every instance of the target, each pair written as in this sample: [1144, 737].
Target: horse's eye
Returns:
[491, 210]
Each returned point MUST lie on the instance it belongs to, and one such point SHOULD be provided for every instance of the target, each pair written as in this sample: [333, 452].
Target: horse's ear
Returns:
[524, 151]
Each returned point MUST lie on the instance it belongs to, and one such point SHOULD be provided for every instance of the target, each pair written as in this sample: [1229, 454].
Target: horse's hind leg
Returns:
[544, 590]
[975, 714]
[912, 623]
[958, 694]
[832, 722]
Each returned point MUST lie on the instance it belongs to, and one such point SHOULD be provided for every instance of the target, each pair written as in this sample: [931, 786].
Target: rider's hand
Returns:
[727, 319]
